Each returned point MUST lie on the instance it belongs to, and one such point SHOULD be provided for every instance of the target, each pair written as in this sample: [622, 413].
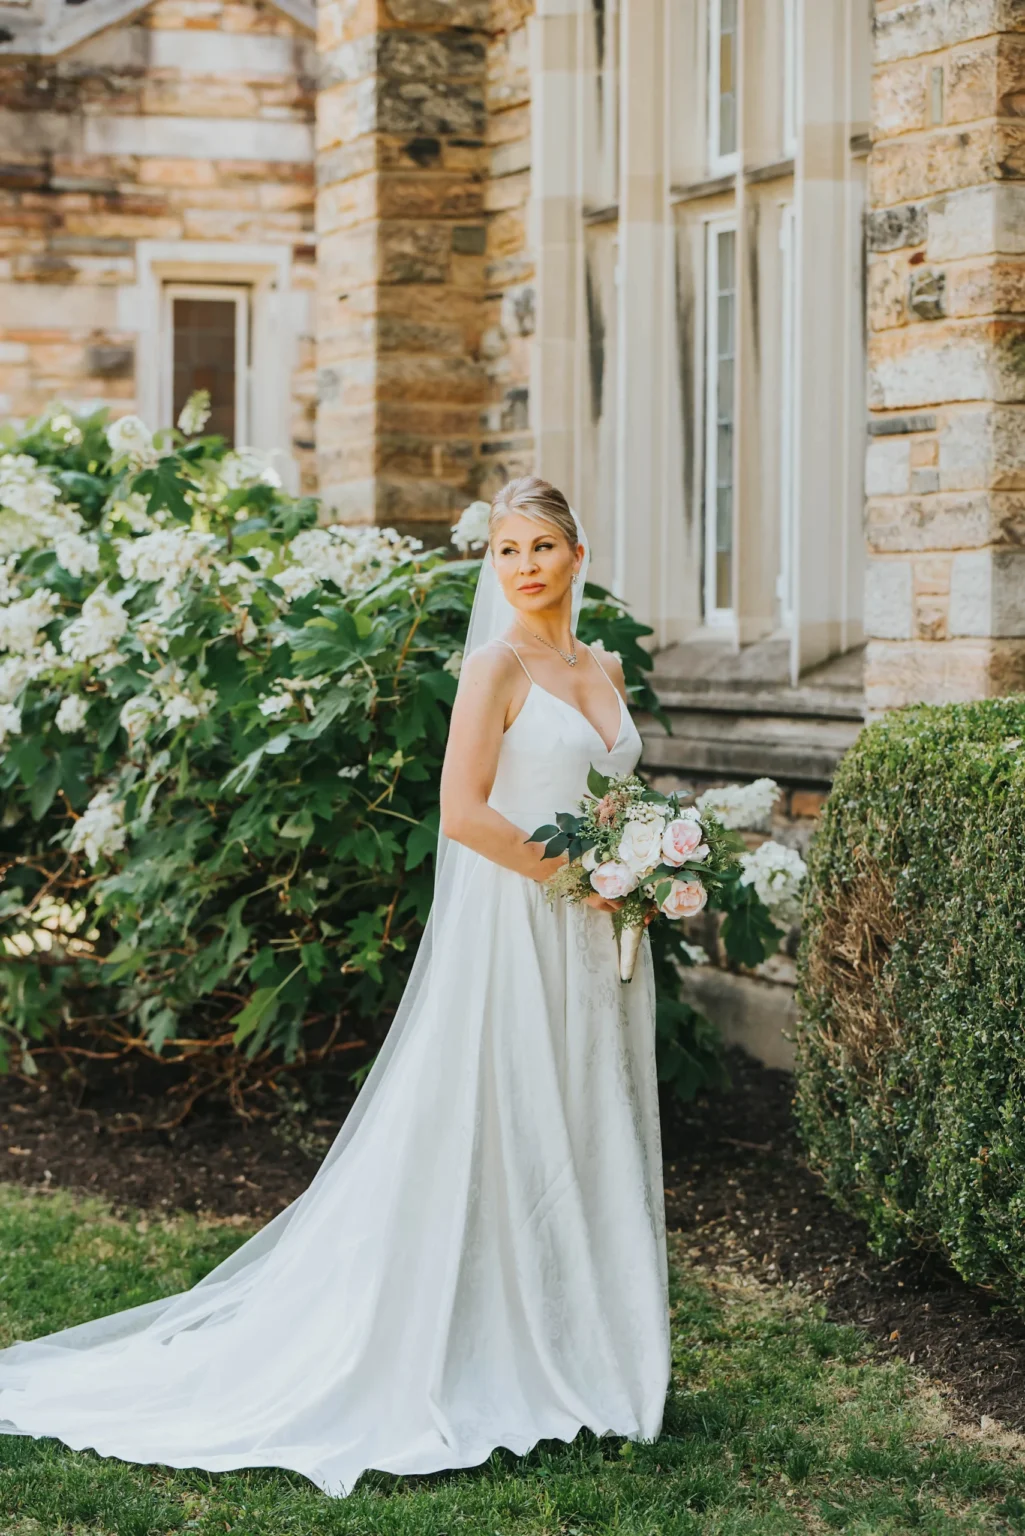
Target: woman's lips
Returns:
[533, 586]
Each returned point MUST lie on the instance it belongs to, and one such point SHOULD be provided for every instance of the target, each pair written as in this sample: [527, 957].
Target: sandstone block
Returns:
[887, 466]
[474, 14]
[900, 98]
[924, 26]
[930, 618]
[955, 671]
[431, 107]
[925, 451]
[977, 221]
[889, 598]
[893, 229]
[987, 593]
[807, 802]
[430, 56]
[904, 171]
[971, 81]
[413, 253]
[887, 298]
[932, 576]
[918, 366]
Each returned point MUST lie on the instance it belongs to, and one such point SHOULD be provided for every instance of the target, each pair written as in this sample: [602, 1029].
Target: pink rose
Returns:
[613, 880]
[686, 899]
[682, 841]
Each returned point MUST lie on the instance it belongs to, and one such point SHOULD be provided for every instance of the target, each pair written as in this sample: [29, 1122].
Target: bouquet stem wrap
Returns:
[628, 940]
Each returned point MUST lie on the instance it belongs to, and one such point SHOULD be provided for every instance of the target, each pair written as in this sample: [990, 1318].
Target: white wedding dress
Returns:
[479, 1262]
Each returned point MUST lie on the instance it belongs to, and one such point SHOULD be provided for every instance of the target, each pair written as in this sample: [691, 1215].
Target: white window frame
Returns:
[279, 317]
[241, 298]
[788, 415]
[714, 616]
[790, 78]
[720, 164]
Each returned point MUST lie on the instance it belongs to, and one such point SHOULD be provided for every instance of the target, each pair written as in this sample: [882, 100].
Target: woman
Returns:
[480, 1259]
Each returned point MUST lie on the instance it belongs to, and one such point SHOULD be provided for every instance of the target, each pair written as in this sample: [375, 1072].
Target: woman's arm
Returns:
[488, 692]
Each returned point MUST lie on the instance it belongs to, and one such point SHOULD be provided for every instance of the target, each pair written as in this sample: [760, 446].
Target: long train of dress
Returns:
[480, 1260]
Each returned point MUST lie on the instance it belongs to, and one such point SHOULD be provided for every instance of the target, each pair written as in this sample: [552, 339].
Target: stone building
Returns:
[745, 277]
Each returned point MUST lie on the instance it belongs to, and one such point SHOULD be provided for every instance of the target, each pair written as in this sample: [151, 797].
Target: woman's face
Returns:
[535, 563]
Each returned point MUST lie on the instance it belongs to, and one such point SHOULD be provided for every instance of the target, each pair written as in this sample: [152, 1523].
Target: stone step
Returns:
[796, 749]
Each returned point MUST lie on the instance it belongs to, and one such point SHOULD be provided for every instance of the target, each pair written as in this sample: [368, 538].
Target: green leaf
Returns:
[597, 783]
[44, 789]
[543, 834]
[255, 1012]
[748, 933]
[422, 841]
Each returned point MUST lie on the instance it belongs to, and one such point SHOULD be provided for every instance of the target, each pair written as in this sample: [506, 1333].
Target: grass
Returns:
[778, 1422]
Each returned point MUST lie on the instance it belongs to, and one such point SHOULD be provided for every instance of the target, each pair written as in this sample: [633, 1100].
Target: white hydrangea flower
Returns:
[9, 587]
[247, 466]
[168, 555]
[10, 722]
[695, 954]
[98, 628]
[151, 635]
[130, 438]
[31, 511]
[76, 553]
[296, 582]
[63, 426]
[352, 772]
[454, 664]
[15, 672]
[741, 805]
[71, 714]
[235, 574]
[777, 874]
[131, 509]
[471, 531]
[352, 558]
[100, 831]
[195, 413]
[22, 623]
[250, 631]
[137, 713]
[275, 704]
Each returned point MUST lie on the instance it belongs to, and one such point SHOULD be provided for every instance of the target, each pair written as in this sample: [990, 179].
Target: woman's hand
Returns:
[601, 904]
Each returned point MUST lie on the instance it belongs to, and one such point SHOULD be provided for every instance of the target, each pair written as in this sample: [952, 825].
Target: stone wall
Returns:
[424, 299]
[945, 590]
[189, 123]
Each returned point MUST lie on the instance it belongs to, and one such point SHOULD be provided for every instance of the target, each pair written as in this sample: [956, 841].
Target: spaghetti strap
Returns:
[509, 646]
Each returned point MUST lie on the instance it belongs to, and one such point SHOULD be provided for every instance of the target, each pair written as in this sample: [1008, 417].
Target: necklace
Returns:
[569, 657]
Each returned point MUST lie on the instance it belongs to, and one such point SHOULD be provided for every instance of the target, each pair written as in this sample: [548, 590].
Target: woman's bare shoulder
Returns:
[612, 664]
[492, 666]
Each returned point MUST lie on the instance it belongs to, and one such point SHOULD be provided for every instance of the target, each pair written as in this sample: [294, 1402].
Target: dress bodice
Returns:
[546, 754]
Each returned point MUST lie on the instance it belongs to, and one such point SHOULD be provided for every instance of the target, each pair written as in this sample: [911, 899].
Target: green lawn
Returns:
[778, 1422]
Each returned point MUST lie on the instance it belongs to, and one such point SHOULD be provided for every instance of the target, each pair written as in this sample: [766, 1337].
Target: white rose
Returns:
[640, 847]
[613, 880]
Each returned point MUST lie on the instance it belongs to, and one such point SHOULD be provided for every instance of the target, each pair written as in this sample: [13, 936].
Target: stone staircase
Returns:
[736, 715]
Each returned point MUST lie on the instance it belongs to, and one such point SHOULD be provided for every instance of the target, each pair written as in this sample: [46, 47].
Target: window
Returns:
[788, 416]
[790, 73]
[719, 419]
[207, 328]
[722, 85]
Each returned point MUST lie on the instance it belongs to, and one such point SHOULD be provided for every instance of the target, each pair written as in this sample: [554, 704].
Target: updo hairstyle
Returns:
[532, 497]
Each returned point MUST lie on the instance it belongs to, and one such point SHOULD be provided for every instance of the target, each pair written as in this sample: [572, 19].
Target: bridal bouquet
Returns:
[633, 845]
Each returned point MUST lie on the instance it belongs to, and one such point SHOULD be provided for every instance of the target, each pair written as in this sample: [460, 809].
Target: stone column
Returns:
[945, 584]
[402, 239]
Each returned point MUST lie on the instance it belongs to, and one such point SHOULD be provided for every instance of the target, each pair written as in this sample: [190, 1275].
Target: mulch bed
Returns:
[736, 1184]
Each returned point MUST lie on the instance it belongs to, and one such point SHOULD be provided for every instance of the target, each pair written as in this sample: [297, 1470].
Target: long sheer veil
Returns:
[216, 1296]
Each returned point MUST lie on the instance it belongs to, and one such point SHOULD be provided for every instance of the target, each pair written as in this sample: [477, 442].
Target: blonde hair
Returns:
[532, 497]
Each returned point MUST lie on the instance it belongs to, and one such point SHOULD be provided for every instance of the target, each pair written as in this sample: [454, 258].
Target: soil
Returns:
[736, 1185]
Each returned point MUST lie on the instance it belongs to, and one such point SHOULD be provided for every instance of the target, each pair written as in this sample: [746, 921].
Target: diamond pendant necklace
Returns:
[569, 657]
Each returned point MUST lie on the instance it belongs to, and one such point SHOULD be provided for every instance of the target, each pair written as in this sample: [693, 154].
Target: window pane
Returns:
[720, 388]
[204, 358]
[727, 82]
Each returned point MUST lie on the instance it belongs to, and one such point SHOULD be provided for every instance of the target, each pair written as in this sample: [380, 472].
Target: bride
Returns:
[480, 1259]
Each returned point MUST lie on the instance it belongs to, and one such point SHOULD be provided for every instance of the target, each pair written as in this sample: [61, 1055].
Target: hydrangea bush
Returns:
[221, 729]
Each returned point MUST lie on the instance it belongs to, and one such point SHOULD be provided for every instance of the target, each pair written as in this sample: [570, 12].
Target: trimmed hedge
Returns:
[911, 1048]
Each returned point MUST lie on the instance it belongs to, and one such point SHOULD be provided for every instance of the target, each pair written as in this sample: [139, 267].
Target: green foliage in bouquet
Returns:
[911, 1053]
[221, 731]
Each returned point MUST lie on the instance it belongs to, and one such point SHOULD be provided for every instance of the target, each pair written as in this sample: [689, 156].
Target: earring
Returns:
[575, 575]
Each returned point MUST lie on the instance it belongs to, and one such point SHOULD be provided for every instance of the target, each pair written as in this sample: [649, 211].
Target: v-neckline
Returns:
[560, 700]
